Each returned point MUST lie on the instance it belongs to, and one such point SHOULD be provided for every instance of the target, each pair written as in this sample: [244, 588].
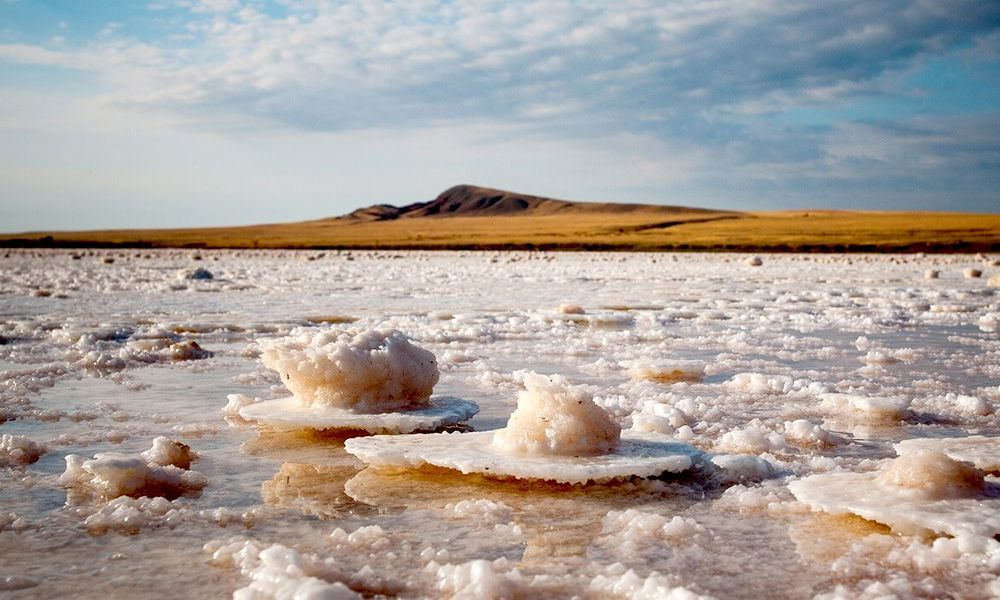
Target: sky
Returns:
[117, 113]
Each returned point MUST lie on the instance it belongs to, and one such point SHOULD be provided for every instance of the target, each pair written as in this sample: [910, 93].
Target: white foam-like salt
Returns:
[864, 409]
[18, 450]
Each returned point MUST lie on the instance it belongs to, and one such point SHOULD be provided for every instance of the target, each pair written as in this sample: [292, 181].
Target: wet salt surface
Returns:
[105, 364]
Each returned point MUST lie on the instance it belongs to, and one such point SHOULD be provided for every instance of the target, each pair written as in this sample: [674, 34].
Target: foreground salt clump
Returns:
[556, 433]
[368, 371]
[375, 381]
[920, 491]
[571, 424]
[160, 471]
[18, 450]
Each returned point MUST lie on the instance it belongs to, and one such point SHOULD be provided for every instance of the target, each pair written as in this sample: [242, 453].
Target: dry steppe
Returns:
[471, 217]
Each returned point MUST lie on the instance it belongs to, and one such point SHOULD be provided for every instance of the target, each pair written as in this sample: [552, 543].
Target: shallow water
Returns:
[89, 368]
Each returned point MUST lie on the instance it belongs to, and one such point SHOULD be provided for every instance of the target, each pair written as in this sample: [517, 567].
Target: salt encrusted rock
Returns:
[932, 274]
[971, 273]
[571, 309]
[753, 261]
[199, 274]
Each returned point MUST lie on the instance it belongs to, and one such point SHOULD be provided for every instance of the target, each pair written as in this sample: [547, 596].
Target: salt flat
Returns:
[806, 365]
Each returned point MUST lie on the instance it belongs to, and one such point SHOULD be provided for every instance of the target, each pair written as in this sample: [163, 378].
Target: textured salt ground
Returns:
[795, 316]
[289, 414]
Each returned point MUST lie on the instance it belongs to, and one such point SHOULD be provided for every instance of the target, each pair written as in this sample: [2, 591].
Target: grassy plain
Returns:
[807, 231]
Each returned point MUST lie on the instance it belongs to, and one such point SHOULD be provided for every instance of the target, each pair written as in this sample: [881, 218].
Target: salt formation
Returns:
[971, 273]
[932, 274]
[368, 371]
[668, 372]
[571, 309]
[981, 451]
[920, 491]
[556, 433]
[199, 274]
[994, 281]
[18, 450]
[163, 470]
[375, 381]
[554, 418]
[753, 261]
[864, 409]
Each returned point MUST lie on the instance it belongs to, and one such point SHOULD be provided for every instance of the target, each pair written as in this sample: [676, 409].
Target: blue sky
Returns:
[211, 112]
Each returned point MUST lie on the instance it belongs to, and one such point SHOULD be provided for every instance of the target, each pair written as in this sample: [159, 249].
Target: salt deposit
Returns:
[18, 450]
[366, 371]
[983, 452]
[668, 372]
[374, 381]
[102, 358]
[160, 471]
[553, 418]
[920, 491]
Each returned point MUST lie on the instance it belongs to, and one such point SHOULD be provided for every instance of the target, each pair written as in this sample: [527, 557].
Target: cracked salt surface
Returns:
[805, 368]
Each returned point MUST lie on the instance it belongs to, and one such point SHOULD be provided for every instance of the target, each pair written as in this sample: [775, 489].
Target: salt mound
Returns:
[556, 433]
[554, 418]
[994, 281]
[668, 372]
[288, 414]
[753, 261]
[18, 450]
[853, 407]
[931, 274]
[368, 371]
[981, 451]
[160, 471]
[918, 492]
[971, 273]
[571, 309]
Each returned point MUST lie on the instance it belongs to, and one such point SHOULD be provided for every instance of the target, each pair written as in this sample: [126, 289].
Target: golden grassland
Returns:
[807, 231]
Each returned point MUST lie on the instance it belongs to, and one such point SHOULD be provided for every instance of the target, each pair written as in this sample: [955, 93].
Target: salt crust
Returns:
[289, 414]
[921, 491]
[18, 450]
[368, 371]
[981, 451]
[160, 471]
[637, 455]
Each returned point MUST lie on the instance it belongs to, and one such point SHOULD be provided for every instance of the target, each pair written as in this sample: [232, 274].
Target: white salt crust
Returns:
[288, 414]
[981, 451]
[637, 455]
[366, 371]
[667, 371]
[919, 492]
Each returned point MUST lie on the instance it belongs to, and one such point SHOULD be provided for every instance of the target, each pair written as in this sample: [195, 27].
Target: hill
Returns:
[470, 217]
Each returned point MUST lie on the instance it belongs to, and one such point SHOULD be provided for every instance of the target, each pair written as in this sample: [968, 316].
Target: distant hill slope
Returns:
[475, 201]
[467, 217]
